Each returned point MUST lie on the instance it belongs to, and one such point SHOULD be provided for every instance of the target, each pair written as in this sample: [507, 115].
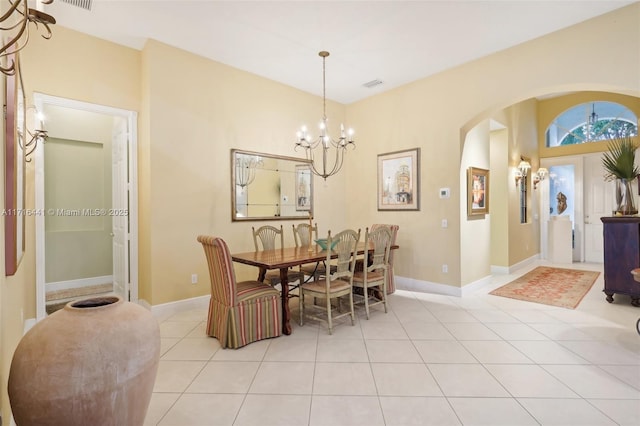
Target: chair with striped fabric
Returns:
[239, 312]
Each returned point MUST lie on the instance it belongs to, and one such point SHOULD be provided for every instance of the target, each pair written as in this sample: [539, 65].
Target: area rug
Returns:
[550, 286]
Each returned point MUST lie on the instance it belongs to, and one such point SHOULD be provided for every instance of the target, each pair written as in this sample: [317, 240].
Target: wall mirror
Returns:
[270, 187]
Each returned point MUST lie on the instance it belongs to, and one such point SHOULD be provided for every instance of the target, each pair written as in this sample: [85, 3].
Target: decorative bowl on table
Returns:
[322, 242]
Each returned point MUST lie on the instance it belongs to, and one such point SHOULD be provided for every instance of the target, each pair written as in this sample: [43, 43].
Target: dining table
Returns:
[283, 259]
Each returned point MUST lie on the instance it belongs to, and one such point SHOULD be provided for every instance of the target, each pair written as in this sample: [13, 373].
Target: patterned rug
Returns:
[550, 286]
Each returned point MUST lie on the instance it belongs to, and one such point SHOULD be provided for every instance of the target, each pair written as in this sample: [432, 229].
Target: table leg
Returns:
[261, 274]
[286, 314]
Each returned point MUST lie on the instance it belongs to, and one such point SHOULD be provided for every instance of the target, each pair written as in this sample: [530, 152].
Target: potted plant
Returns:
[619, 164]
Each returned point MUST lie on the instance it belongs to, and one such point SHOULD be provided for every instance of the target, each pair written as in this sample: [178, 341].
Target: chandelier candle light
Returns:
[324, 142]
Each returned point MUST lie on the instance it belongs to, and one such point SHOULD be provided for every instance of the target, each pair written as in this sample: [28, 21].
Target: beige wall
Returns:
[193, 111]
[499, 197]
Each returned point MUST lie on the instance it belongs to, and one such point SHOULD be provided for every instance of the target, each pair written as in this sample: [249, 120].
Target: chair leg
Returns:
[329, 319]
[353, 313]
[384, 295]
[365, 290]
[301, 307]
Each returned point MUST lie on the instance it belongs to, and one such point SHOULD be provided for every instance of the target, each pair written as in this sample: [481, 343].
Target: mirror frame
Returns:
[297, 161]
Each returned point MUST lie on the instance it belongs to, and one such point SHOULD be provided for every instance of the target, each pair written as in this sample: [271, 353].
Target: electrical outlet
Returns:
[194, 278]
[445, 268]
[445, 223]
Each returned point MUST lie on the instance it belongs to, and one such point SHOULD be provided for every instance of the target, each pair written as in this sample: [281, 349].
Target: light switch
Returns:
[445, 223]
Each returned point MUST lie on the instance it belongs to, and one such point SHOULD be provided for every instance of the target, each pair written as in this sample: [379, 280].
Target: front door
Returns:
[598, 197]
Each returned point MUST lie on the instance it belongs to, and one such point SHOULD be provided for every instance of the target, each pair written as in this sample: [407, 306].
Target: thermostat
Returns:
[445, 192]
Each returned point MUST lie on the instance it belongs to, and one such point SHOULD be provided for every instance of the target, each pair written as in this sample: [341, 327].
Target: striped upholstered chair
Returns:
[239, 312]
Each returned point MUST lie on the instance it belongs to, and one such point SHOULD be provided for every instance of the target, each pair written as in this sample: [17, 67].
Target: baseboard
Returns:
[79, 283]
[475, 285]
[165, 310]
[411, 284]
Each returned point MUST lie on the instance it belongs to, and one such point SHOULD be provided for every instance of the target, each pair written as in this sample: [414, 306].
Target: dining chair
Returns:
[304, 238]
[374, 275]
[391, 286]
[267, 236]
[336, 284]
[239, 312]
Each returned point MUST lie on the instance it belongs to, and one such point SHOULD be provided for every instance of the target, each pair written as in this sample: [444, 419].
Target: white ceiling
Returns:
[393, 41]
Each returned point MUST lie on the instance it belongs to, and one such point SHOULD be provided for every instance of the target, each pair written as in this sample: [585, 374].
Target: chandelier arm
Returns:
[14, 6]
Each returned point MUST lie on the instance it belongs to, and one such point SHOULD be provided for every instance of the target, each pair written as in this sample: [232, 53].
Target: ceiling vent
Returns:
[372, 83]
[83, 4]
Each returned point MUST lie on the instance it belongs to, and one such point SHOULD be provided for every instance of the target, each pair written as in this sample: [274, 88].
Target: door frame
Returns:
[40, 100]
[578, 227]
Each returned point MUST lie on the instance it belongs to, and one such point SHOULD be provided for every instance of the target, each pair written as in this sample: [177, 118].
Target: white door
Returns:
[120, 209]
[598, 202]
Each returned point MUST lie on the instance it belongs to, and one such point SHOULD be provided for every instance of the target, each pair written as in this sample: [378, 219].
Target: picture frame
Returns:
[15, 133]
[477, 191]
[399, 180]
[304, 187]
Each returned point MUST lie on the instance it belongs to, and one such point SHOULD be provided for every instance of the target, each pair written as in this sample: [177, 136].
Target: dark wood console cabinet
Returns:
[621, 255]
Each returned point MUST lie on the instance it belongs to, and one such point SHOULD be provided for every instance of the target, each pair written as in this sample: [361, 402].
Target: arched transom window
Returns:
[591, 122]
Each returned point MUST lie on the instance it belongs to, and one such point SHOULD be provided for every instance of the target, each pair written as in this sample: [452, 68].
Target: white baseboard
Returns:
[411, 284]
[82, 282]
[165, 310]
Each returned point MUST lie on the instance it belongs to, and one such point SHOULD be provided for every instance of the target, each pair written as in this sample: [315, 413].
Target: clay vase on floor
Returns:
[92, 363]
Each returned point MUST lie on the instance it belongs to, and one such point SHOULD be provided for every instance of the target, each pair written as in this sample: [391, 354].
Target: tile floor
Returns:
[432, 360]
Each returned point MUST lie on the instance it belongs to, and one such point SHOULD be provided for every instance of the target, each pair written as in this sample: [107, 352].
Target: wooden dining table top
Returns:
[288, 256]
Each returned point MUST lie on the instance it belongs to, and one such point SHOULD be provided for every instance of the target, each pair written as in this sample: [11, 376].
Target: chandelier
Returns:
[17, 19]
[323, 162]
[246, 166]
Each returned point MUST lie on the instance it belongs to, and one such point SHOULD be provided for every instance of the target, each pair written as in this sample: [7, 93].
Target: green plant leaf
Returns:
[619, 160]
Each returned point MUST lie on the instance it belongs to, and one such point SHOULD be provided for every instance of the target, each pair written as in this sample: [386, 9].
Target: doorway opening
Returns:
[85, 187]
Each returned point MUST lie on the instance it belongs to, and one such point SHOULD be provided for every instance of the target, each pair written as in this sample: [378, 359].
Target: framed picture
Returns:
[304, 187]
[399, 180]
[14, 195]
[477, 191]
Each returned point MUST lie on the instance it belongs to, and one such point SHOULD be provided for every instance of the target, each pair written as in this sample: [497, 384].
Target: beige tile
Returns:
[605, 353]
[471, 380]
[291, 350]
[332, 378]
[341, 350]
[427, 331]
[495, 352]
[158, 407]
[177, 328]
[562, 332]
[167, 343]
[630, 374]
[392, 351]
[175, 376]
[203, 410]
[274, 410]
[589, 381]
[491, 411]
[404, 380]
[529, 381]
[516, 332]
[293, 378]
[444, 352]
[471, 331]
[492, 316]
[413, 411]
[564, 412]
[383, 330]
[345, 411]
[194, 349]
[625, 412]
[252, 352]
[454, 316]
[548, 352]
[224, 377]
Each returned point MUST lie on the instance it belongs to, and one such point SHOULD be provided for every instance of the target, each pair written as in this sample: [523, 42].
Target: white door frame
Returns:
[577, 161]
[132, 189]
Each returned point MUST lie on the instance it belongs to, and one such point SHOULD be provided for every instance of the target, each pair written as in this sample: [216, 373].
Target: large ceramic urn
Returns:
[92, 363]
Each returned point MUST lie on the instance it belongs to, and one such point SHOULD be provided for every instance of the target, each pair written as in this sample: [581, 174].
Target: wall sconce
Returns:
[539, 176]
[38, 135]
[17, 19]
[523, 169]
